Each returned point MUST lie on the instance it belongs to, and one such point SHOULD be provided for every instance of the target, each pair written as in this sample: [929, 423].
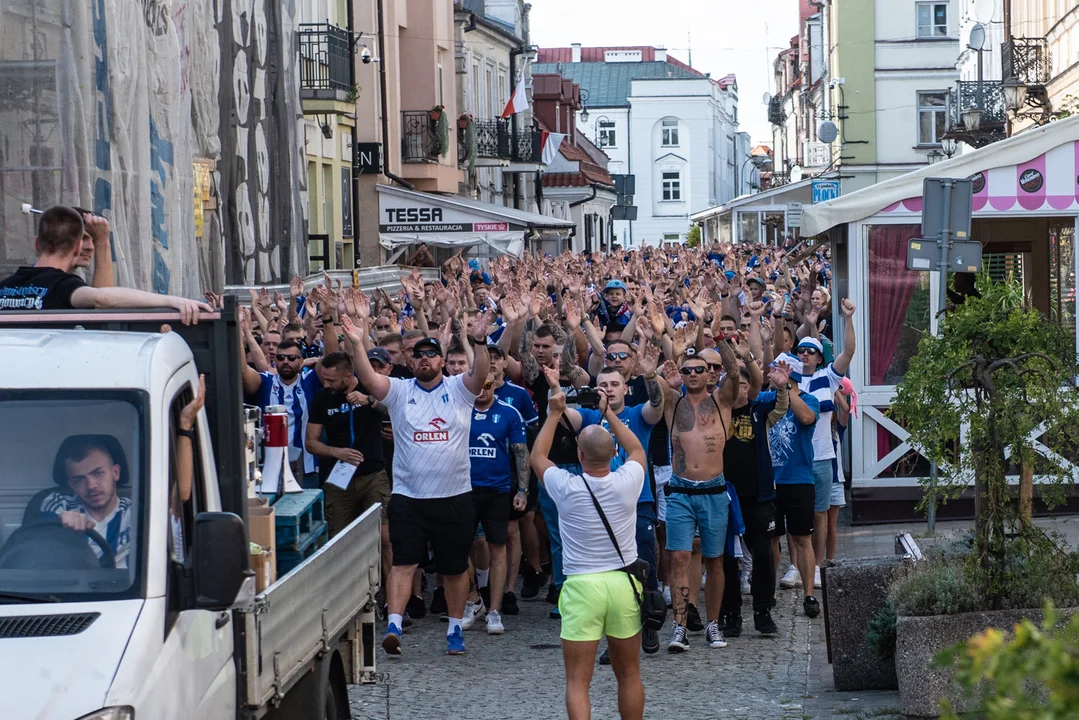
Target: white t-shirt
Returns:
[430, 437]
[586, 547]
[822, 385]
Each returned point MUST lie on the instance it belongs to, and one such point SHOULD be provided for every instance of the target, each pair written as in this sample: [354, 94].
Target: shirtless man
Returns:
[697, 492]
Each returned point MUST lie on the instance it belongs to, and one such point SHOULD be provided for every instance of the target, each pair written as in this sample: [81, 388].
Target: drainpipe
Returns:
[385, 107]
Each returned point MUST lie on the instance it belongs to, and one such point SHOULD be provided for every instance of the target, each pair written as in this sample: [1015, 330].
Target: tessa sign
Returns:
[433, 219]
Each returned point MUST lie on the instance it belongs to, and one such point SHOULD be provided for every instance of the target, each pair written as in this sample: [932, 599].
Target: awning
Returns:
[777, 197]
[1016, 150]
[408, 217]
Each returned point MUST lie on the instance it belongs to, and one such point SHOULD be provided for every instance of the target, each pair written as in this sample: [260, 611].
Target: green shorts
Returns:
[598, 604]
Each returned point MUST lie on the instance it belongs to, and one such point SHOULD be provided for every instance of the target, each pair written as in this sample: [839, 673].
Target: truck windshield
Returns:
[71, 500]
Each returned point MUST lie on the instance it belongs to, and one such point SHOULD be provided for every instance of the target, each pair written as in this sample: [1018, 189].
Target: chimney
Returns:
[576, 50]
[661, 54]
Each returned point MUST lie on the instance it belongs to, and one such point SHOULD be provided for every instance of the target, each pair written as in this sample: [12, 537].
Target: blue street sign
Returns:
[825, 190]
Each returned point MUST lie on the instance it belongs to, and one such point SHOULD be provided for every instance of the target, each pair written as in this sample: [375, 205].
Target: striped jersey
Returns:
[115, 529]
[296, 399]
[430, 436]
[822, 385]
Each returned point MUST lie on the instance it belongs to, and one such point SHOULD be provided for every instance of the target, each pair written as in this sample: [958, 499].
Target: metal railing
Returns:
[816, 154]
[966, 95]
[495, 139]
[418, 140]
[325, 57]
[1026, 60]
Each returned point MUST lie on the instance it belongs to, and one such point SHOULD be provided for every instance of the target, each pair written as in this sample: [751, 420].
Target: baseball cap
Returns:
[496, 350]
[429, 342]
[757, 280]
[379, 355]
[614, 285]
[812, 342]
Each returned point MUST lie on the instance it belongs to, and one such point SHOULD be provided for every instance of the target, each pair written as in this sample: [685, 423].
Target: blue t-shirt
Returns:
[633, 418]
[519, 398]
[492, 432]
[791, 444]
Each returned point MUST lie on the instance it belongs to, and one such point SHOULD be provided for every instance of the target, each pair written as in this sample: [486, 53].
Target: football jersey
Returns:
[822, 385]
[493, 431]
[115, 529]
[296, 399]
[430, 434]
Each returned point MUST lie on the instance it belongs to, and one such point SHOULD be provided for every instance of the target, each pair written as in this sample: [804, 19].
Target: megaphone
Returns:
[276, 470]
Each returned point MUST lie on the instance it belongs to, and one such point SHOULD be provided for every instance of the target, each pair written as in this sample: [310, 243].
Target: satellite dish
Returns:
[827, 131]
[977, 37]
[984, 10]
[767, 98]
[796, 173]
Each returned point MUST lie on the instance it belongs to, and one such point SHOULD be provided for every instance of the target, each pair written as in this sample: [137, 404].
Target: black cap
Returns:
[429, 342]
[757, 280]
[495, 349]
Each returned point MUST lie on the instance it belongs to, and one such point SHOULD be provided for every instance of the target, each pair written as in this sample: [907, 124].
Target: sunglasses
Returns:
[612, 356]
[714, 366]
[806, 351]
[432, 353]
[695, 370]
[488, 385]
[288, 358]
[383, 326]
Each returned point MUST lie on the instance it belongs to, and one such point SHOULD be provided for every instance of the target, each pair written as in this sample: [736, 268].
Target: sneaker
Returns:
[714, 635]
[650, 640]
[693, 619]
[605, 657]
[509, 604]
[667, 594]
[455, 643]
[792, 579]
[391, 641]
[732, 625]
[552, 593]
[406, 621]
[816, 578]
[811, 606]
[473, 611]
[438, 602]
[415, 607]
[679, 641]
[494, 623]
[763, 622]
[555, 614]
[746, 589]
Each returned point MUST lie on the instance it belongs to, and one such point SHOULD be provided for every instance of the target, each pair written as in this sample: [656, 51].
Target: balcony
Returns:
[326, 67]
[1027, 61]
[976, 115]
[816, 154]
[419, 137]
[495, 140]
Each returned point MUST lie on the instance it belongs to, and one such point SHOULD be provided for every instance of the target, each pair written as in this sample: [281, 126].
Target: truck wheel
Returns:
[336, 702]
[330, 711]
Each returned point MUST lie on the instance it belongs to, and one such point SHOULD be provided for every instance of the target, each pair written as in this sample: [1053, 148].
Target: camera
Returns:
[365, 56]
[588, 398]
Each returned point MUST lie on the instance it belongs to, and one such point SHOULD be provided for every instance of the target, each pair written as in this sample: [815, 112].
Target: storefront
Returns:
[447, 223]
[752, 219]
[1026, 205]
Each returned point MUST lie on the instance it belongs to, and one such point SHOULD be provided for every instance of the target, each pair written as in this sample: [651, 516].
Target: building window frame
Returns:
[671, 184]
[608, 133]
[669, 133]
[927, 22]
[939, 113]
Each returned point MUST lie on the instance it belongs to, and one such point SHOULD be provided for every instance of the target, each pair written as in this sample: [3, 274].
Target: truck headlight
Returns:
[123, 712]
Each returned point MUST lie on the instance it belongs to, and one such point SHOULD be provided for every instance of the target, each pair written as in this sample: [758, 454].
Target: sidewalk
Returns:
[520, 674]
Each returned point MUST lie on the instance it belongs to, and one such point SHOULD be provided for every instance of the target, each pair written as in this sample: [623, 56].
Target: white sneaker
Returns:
[792, 579]
[494, 623]
[667, 595]
[746, 590]
[473, 611]
[816, 578]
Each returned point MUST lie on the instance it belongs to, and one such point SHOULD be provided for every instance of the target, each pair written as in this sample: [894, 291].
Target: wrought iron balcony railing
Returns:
[496, 139]
[1026, 61]
[419, 143]
[987, 99]
[325, 57]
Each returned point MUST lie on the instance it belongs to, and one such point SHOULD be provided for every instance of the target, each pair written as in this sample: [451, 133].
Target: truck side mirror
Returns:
[221, 559]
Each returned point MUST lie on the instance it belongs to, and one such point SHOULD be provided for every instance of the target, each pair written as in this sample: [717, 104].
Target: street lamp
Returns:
[599, 121]
[1015, 93]
[950, 146]
[584, 110]
[972, 119]
[934, 156]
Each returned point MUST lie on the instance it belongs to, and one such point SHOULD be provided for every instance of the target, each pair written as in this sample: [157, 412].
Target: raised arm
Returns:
[542, 447]
[376, 383]
[728, 392]
[652, 412]
[99, 230]
[626, 439]
[842, 361]
[477, 376]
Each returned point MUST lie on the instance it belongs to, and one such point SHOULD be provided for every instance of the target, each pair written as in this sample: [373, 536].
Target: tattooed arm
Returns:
[727, 393]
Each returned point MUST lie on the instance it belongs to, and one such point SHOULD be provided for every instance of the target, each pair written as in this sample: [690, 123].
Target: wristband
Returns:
[650, 376]
[327, 319]
[189, 434]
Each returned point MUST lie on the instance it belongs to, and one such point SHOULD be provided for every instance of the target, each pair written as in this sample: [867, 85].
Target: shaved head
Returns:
[596, 445]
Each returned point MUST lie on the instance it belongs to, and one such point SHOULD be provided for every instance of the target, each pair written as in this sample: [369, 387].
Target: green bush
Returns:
[943, 587]
[880, 632]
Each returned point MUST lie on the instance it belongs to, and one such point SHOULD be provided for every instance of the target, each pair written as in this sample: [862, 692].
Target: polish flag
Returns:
[549, 144]
[518, 102]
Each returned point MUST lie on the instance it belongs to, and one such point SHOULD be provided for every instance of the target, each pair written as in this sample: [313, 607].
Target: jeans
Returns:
[759, 518]
[550, 516]
[646, 542]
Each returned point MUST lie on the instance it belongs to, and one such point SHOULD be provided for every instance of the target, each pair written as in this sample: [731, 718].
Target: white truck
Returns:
[156, 617]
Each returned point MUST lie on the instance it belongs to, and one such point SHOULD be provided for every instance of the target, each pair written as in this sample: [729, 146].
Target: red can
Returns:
[275, 427]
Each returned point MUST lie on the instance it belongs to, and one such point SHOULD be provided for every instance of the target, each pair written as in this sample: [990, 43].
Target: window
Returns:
[932, 19]
[671, 238]
[670, 133]
[607, 136]
[932, 111]
[672, 186]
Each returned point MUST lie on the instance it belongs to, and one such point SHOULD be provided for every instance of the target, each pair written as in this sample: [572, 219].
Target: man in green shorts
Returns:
[597, 598]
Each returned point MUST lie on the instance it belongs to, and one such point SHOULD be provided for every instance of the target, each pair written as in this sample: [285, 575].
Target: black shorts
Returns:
[493, 510]
[448, 524]
[794, 509]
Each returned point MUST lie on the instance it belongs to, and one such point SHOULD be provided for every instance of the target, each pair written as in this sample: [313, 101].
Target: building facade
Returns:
[669, 126]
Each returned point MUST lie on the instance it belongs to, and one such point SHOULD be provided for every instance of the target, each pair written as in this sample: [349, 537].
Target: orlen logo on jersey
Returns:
[436, 435]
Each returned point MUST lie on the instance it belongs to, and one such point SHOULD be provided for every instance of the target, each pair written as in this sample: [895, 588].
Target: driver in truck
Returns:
[50, 284]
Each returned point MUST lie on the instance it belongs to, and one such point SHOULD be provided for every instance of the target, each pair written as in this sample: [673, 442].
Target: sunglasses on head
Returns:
[695, 370]
[612, 356]
[287, 358]
[428, 353]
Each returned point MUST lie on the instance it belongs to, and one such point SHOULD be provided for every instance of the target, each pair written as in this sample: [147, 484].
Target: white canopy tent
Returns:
[408, 217]
[1015, 150]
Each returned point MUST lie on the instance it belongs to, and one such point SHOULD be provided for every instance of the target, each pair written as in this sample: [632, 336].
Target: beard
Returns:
[426, 373]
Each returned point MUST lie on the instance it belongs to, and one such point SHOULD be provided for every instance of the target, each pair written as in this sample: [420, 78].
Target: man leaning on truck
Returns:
[50, 283]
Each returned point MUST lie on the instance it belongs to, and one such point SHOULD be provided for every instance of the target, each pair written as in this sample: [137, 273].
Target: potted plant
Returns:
[442, 130]
[436, 112]
[999, 378]
[464, 121]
